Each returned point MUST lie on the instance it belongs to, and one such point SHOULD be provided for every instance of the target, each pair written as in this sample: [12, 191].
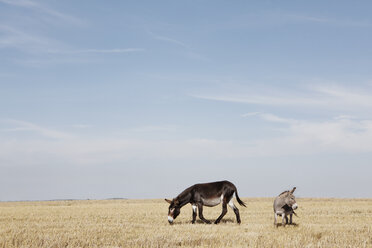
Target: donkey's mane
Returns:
[284, 192]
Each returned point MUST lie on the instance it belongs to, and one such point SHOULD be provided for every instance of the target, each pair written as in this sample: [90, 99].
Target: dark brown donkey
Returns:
[205, 194]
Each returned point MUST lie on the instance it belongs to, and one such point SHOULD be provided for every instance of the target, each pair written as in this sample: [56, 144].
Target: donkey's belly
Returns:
[211, 202]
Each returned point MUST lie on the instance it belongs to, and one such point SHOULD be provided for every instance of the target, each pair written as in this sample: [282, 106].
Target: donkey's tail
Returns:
[238, 199]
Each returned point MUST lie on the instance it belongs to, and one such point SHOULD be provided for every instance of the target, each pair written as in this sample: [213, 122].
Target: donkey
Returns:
[284, 205]
[205, 194]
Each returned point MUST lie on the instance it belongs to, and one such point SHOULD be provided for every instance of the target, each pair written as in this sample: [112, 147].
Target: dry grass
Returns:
[143, 223]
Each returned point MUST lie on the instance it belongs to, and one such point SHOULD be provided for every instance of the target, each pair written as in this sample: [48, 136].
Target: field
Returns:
[143, 223]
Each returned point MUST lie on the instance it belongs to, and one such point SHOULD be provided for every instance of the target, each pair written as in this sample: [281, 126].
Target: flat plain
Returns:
[143, 223]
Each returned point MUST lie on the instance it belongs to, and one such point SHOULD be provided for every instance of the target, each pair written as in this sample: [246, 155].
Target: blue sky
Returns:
[141, 99]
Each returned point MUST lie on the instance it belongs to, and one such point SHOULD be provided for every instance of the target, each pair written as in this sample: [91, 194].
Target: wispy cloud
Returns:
[81, 126]
[250, 114]
[327, 20]
[40, 51]
[151, 128]
[20, 3]
[47, 61]
[277, 18]
[259, 99]
[117, 50]
[297, 137]
[24, 41]
[338, 135]
[329, 96]
[341, 117]
[33, 43]
[188, 51]
[22, 126]
[351, 95]
[43, 9]
[168, 39]
[343, 133]
[271, 117]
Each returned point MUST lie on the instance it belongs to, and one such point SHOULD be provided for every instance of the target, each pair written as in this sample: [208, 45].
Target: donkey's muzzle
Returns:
[294, 206]
[170, 220]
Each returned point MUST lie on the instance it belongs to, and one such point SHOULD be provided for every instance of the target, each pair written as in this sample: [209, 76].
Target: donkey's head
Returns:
[290, 199]
[174, 209]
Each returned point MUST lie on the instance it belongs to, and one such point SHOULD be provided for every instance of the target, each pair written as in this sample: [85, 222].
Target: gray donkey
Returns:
[284, 205]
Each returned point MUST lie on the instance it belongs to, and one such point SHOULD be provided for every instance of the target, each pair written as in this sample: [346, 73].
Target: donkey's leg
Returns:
[236, 210]
[286, 219]
[200, 209]
[290, 218]
[224, 211]
[283, 218]
[193, 214]
[275, 219]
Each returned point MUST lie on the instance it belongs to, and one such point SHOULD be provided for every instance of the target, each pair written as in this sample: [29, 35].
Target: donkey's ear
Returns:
[293, 190]
[169, 201]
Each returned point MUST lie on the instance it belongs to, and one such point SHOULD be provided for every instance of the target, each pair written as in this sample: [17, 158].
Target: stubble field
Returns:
[143, 223]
